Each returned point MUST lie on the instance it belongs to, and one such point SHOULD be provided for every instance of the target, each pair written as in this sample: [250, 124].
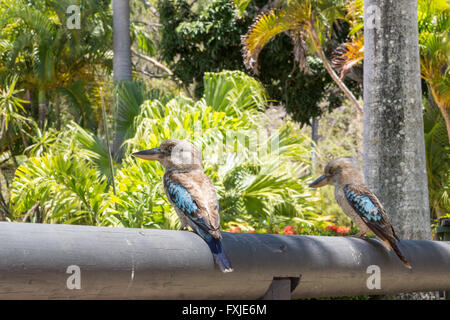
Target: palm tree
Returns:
[434, 22]
[393, 141]
[304, 21]
[49, 56]
[121, 40]
[122, 62]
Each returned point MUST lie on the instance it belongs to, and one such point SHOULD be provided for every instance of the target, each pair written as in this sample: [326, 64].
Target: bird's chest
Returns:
[341, 200]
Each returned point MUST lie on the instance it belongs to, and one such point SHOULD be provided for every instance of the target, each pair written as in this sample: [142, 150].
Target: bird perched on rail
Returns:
[358, 202]
[191, 193]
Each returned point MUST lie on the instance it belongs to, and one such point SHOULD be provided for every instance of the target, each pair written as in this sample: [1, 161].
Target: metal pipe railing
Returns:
[42, 261]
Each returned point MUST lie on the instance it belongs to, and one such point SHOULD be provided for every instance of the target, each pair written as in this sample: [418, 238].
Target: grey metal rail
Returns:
[41, 261]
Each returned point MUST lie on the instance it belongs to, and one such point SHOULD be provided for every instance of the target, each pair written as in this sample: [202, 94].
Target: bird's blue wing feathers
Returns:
[362, 204]
[181, 197]
[184, 201]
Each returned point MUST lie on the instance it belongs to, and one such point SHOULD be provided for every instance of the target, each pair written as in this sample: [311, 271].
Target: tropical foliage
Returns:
[260, 177]
[54, 58]
[434, 26]
[437, 152]
[12, 119]
[200, 39]
[195, 39]
[53, 131]
[308, 23]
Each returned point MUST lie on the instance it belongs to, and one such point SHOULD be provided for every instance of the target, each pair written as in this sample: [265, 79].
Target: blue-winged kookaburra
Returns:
[358, 202]
[191, 193]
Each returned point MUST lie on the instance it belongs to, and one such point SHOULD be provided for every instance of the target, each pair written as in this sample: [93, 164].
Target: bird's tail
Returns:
[220, 257]
[390, 242]
[399, 254]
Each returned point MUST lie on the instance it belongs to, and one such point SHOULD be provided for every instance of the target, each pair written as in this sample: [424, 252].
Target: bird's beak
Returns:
[150, 154]
[319, 182]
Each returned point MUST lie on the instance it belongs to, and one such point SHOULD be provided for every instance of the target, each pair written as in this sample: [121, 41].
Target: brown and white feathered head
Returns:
[174, 155]
[340, 171]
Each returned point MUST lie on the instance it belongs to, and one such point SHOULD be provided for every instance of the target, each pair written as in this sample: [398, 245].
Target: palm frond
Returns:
[94, 150]
[348, 55]
[241, 6]
[265, 27]
[129, 98]
[233, 92]
[36, 20]
[67, 189]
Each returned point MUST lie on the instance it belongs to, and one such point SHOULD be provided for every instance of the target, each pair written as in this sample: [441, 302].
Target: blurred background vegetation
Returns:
[204, 71]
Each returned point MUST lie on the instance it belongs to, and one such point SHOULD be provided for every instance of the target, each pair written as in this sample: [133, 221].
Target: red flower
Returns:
[289, 230]
[338, 229]
[235, 230]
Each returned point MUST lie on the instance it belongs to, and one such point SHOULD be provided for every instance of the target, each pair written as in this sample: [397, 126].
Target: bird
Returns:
[359, 203]
[191, 192]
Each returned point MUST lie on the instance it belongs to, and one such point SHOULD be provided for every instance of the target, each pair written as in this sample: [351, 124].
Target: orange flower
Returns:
[343, 230]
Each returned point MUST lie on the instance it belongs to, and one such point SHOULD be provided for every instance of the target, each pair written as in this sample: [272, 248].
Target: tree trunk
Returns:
[122, 58]
[42, 111]
[121, 40]
[58, 112]
[28, 106]
[315, 130]
[393, 142]
[315, 139]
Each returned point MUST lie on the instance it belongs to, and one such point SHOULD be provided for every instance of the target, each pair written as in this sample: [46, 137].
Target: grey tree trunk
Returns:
[121, 40]
[393, 141]
[122, 56]
[315, 130]
[315, 139]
